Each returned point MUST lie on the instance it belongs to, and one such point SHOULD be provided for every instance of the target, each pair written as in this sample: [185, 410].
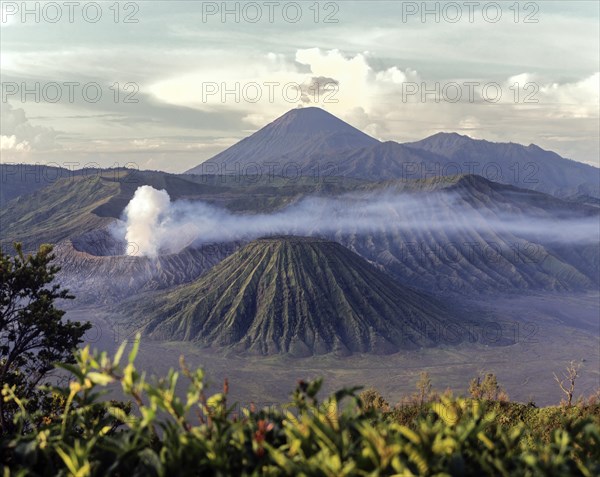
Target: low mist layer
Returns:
[156, 225]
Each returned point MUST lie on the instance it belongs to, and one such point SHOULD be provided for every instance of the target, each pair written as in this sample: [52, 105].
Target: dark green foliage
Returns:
[198, 435]
[32, 335]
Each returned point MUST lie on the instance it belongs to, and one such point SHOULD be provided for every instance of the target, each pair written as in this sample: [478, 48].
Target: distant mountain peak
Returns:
[448, 137]
[306, 111]
[291, 138]
[311, 120]
[453, 138]
[443, 134]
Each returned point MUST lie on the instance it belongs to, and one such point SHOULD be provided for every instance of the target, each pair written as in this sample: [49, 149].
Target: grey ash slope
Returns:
[480, 255]
[381, 161]
[296, 295]
[291, 138]
[94, 269]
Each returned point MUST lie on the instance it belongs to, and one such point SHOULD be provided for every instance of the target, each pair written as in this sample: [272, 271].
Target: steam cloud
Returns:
[156, 225]
[147, 219]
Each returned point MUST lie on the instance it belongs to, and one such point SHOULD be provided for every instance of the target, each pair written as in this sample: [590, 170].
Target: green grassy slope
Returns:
[53, 213]
[296, 295]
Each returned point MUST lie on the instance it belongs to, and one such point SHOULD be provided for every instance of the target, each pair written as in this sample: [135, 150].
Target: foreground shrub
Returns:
[161, 434]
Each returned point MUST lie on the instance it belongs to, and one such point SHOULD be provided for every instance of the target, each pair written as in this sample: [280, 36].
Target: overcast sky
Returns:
[528, 75]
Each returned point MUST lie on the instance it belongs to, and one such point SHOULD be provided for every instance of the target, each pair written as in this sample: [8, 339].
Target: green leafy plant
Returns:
[162, 434]
[33, 335]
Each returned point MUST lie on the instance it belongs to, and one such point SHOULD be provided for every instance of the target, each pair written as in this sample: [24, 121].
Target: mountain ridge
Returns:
[316, 142]
[79, 210]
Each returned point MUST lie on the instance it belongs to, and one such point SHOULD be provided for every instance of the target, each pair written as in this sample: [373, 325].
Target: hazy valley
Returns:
[454, 274]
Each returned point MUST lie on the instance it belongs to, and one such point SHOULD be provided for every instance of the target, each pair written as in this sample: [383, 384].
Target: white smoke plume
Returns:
[145, 215]
[154, 224]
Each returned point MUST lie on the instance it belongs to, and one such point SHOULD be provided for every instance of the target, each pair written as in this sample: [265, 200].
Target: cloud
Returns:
[370, 53]
[579, 99]
[372, 95]
[316, 87]
[328, 78]
[9, 143]
[351, 73]
[19, 135]
[344, 84]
